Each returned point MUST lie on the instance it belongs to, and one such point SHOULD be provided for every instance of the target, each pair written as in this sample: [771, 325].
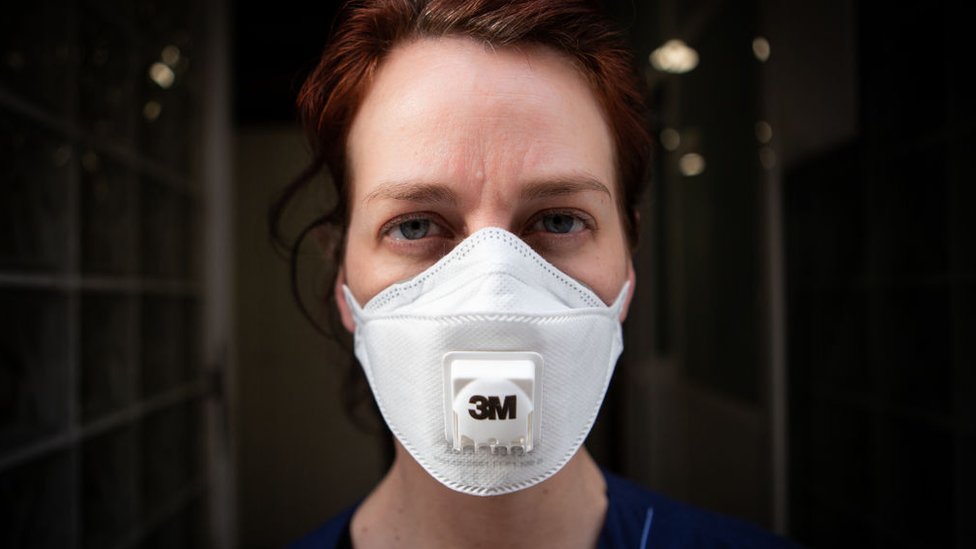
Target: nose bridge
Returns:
[496, 207]
[497, 220]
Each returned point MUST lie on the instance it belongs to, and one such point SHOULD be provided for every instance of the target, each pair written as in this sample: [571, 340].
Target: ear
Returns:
[631, 278]
[340, 299]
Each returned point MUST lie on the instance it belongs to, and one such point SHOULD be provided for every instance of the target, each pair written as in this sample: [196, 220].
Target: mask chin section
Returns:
[491, 401]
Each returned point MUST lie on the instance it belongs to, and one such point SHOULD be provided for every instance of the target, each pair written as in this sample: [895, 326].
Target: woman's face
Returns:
[454, 137]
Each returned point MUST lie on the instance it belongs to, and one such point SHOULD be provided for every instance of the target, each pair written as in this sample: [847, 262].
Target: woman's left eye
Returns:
[558, 223]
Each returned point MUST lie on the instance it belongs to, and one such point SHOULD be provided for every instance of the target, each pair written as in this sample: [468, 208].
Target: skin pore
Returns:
[454, 136]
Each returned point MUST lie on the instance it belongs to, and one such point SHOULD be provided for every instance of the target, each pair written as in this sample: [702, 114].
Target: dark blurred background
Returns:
[801, 352]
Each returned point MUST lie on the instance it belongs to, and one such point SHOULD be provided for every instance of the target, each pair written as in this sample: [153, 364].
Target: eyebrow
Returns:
[415, 191]
[562, 186]
[437, 193]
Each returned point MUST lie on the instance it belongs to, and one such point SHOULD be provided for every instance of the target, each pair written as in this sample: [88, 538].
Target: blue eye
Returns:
[414, 229]
[561, 223]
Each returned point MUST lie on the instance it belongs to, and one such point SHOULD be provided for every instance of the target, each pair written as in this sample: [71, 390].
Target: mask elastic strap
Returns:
[357, 311]
[618, 304]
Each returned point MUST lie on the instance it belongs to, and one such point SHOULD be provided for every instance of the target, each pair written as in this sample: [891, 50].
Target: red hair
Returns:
[367, 30]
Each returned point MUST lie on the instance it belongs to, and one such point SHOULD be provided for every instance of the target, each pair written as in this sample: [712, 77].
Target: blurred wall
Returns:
[691, 408]
[881, 273]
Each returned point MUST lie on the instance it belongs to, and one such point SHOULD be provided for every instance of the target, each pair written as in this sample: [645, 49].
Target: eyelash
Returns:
[434, 219]
[437, 221]
[586, 220]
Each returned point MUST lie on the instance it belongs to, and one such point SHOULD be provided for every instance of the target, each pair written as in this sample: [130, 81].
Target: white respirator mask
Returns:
[491, 365]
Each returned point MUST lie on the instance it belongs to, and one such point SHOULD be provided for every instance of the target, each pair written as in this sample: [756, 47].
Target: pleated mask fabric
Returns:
[493, 295]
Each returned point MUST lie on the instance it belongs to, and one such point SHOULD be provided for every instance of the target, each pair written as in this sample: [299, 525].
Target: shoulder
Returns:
[639, 518]
[332, 534]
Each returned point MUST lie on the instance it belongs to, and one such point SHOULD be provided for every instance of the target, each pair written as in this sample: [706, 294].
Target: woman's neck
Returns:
[409, 508]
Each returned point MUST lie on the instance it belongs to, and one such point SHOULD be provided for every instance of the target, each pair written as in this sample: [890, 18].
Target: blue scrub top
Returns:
[636, 518]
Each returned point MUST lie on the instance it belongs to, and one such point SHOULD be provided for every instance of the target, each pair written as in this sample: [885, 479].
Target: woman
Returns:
[488, 157]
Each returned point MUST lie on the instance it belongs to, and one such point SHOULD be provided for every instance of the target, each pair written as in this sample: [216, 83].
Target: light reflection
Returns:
[670, 139]
[764, 132]
[170, 55]
[61, 155]
[760, 48]
[691, 164]
[162, 75]
[675, 57]
[151, 110]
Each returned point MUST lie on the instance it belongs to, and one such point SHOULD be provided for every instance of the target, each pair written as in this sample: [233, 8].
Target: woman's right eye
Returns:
[414, 228]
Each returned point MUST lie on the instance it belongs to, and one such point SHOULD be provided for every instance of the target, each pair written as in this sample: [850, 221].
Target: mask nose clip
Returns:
[492, 401]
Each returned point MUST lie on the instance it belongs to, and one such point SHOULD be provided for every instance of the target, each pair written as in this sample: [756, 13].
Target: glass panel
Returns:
[166, 344]
[108, 488]
[35, 504]
[166, 18]
[916, 484]
[33, 366]
[36, 57]
[94, 205]
[171, 450]
[186, 530]
[913, 349]
[108, 216]
[106, 353]
[108, 78]
[121, 13]
[166, 230]
[193, 338]
[164, 133]
[35, 171]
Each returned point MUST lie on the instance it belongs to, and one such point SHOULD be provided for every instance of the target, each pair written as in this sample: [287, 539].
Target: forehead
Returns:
[450, 109]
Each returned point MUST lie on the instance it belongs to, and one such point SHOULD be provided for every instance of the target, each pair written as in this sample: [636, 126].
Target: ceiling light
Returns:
[675, 57]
